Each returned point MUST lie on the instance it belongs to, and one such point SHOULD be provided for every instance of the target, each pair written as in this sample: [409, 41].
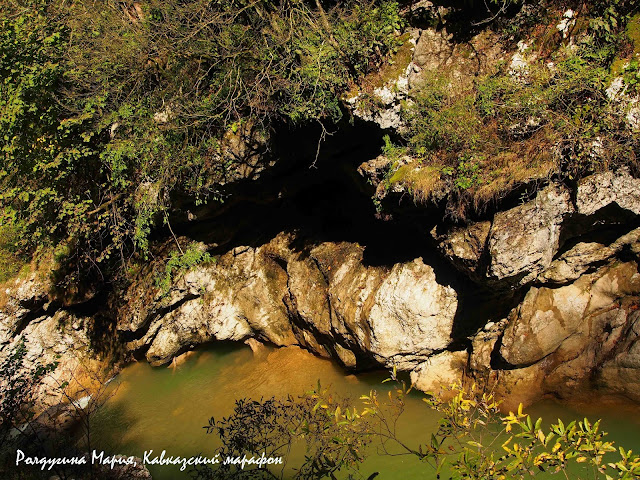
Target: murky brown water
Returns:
[165, 408]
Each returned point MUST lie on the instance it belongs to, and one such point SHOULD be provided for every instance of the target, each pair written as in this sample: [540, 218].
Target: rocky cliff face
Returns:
[574, 255]
[537, 297]
[569, 255]
[81, 345]
[320, 296]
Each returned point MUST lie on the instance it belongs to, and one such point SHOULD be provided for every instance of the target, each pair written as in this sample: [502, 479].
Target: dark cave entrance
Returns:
[315, 190]
[324, 198]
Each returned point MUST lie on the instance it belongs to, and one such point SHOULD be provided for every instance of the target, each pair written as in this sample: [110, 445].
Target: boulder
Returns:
[609, 188]
[621, 374]
[585, 255]
[545, 319]
[566, 334]
[520, 245]
[22, 299]
[239, 296]
[524, 239]
[464, 246]
[440, 371]
[412, 314]
[434, 49]
[437, 54]
[483, 344]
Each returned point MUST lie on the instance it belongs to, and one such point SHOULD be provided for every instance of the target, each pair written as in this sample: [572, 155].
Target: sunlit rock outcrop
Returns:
[322, 297]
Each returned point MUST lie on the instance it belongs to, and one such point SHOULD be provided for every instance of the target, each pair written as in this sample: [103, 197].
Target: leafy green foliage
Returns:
[442, 120]
[38, 150]
[480, 139]
[180, 262]
[465, 175]
[473, 440]
[569, 106]
[607, 16]
[11, 262]
[631, 75]
[109, 110]
[391, 151]
[331, 435]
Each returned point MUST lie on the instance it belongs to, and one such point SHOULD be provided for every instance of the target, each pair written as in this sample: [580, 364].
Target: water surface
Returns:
[166, 408]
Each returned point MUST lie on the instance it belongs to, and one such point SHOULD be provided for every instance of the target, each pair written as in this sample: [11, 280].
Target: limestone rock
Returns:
[52, 338]
[567, 332]
[374, 170]
[437, 54]
[622, 373]
[465, 246]
[378, 170]
[433, 50]
[23, 297]
[561, 340]
[521, 61]
[322, 297]
[483, 344]
[624, 102]
[398, 316]
[524, 239]
[434, 54]
[603, 189]
[580, 356]
[440, 371]
[388, 116]
[144, 300]
[233, 299]
[577, 260]
[543, 321]
[519, 246]
[246, 147]
[412, 314]
[346, 356]
[192, 325]
[522, 385]
[573, 263]
[309, 295]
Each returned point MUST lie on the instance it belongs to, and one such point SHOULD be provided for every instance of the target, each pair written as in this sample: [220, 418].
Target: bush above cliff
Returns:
[551, 109]
[109, 109]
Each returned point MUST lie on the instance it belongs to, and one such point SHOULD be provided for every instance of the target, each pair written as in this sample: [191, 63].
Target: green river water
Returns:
[166, 408]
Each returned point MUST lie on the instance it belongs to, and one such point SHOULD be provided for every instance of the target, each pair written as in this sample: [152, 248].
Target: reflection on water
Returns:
[166, 408]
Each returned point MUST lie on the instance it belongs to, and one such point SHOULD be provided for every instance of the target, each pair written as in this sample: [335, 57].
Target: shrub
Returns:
[180, 262]
[331, 434]
[11, 262]
[474, 440]
[111, 109]
[477, 143]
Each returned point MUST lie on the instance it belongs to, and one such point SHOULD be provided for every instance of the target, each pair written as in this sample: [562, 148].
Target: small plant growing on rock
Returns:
[180, 263]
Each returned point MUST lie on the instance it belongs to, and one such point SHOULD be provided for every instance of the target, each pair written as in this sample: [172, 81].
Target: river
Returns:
[166, 408]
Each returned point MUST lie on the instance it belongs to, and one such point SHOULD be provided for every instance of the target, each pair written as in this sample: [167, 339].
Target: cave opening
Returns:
[322, 198]
[315, 190]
